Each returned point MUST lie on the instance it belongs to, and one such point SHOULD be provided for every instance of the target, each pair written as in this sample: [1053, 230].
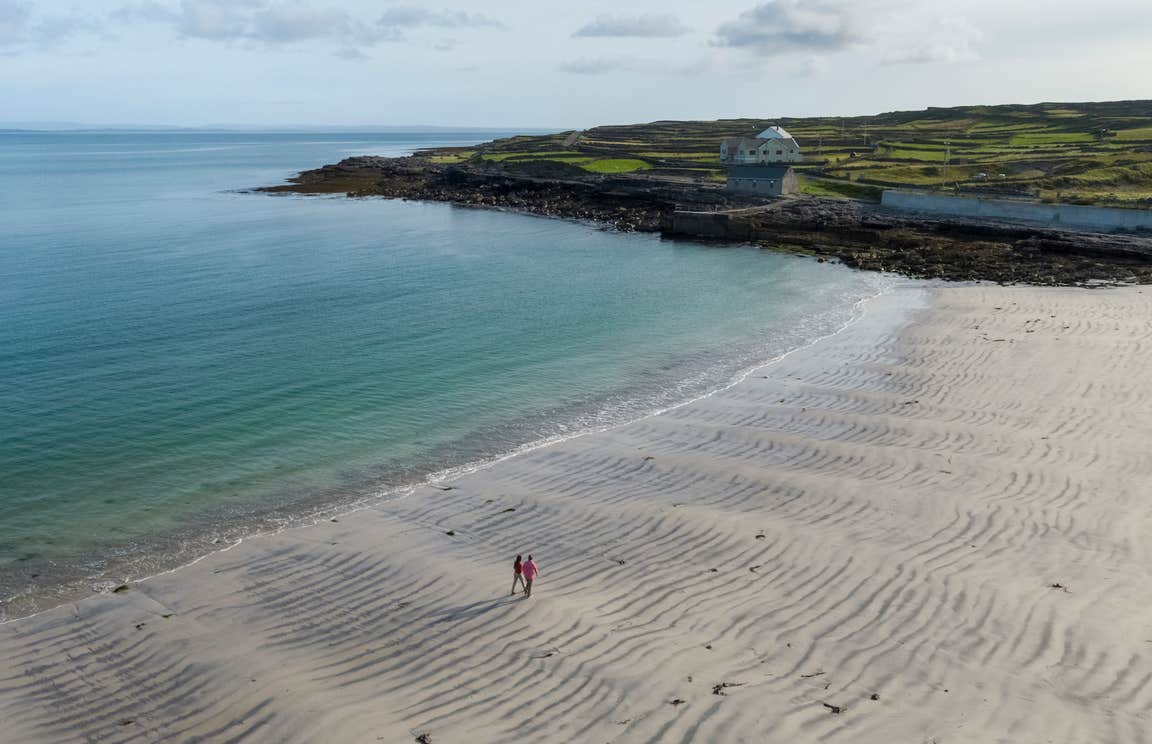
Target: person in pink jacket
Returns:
[529, 570]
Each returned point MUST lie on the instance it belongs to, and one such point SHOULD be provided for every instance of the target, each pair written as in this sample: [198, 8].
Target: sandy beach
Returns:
[930, 527]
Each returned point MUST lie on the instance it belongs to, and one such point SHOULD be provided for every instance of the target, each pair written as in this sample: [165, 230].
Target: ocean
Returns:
[183, 363]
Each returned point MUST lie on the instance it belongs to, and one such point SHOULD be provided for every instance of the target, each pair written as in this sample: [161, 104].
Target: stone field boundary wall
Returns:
[1058, 215]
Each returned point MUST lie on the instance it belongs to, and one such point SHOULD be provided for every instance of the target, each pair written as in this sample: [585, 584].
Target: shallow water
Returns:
[183, 364]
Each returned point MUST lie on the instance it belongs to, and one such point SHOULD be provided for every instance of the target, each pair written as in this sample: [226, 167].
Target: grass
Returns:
[838, 189]
[451, 158]
[616, 165]
[1143, 133]
[541, 155]
[1041, 149]
[1049, 138]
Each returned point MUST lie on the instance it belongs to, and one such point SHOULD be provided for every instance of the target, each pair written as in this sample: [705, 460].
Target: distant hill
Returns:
[1085, 152]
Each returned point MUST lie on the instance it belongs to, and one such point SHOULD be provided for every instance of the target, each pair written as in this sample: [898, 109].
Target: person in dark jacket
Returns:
[517, 574]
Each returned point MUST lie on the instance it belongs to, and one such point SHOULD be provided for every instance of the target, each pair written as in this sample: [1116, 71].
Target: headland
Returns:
[667, 177]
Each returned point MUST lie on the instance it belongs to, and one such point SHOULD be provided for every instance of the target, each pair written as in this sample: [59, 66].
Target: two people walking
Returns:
[524, 573]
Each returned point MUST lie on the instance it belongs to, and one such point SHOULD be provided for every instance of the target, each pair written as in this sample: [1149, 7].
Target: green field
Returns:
[1086, 152]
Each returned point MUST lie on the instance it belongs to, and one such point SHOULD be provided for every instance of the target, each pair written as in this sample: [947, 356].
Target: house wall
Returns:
[765, 186]
[778, 151]
[1072, 215]
[786, 184]
[759, 151]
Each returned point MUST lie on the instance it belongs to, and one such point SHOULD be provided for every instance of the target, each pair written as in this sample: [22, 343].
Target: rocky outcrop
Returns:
[622, 203]
[859, 234]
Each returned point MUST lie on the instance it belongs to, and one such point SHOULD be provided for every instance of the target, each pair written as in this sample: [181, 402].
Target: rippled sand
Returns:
[939, 534]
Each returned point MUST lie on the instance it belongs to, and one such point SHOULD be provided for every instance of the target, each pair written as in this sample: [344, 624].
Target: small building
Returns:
[767, 180]
[762, 164]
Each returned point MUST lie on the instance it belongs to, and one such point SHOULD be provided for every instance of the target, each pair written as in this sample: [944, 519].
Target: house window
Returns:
[779, 152]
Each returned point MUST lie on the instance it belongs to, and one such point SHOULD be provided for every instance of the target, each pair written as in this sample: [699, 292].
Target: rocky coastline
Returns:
[859, 234]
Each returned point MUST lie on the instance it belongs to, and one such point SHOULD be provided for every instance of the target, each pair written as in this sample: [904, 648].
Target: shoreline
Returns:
[322, 508]
[859, 234]
[927, 526]
[200, 568]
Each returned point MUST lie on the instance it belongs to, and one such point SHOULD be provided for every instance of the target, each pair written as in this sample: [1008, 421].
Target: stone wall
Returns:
[1056, 215]
[709, 225]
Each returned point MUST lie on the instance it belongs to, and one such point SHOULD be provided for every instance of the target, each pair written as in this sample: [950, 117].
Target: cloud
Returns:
[893, 31]
[289, 24]
[597, 66]
[611, 65]
[22, 29]
[351, 54]
[407, 16]
[146, 11]
[14, 21]
[947, 40]
[285, 22]
[644, 26]
[790, 26]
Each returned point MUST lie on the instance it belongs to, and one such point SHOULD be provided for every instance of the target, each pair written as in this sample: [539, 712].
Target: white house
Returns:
[773, 145]
[762, 164]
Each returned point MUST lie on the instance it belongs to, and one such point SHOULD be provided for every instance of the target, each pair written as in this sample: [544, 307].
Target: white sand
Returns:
[873, 515]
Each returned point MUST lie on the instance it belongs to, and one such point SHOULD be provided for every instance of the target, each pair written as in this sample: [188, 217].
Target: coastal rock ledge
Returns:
[857, 233]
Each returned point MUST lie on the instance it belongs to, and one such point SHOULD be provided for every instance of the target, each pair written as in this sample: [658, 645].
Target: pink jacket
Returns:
[529, 569]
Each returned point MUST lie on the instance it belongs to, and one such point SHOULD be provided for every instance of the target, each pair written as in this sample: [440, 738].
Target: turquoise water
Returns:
[182, 364]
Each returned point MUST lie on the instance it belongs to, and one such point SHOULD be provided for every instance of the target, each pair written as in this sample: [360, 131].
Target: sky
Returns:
[546, 64]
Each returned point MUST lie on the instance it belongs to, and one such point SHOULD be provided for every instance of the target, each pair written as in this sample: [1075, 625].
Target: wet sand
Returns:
[925, 531]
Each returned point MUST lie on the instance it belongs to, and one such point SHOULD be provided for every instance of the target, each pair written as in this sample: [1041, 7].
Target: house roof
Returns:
[755, 143]
[759, 171]
[774, 132]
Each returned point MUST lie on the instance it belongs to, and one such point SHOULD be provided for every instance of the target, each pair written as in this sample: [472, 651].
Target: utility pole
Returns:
[947, 157]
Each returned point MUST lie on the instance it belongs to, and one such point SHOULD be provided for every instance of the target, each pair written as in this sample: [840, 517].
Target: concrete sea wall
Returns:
[1058, 215]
